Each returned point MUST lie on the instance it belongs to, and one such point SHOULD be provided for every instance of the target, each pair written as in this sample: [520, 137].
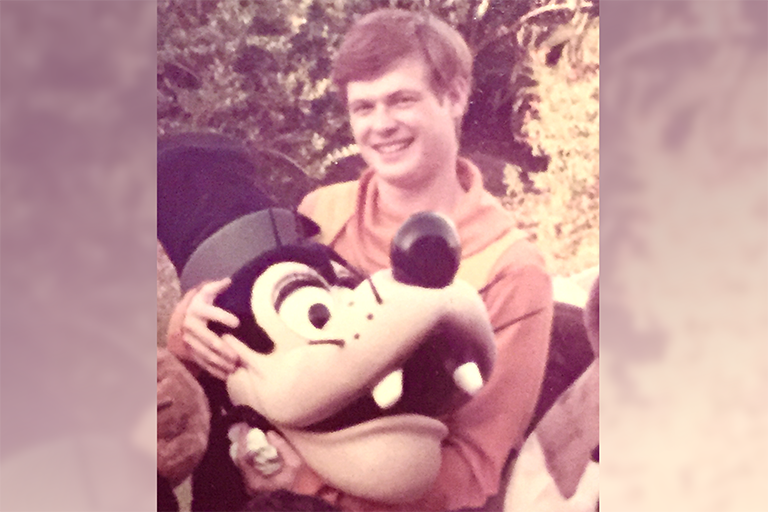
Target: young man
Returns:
[406, 78]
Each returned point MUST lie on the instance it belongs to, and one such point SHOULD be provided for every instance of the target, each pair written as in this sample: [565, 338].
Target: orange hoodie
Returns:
[483, 432]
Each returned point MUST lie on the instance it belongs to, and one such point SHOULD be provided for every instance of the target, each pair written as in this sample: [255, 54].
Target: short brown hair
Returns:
[379, 39]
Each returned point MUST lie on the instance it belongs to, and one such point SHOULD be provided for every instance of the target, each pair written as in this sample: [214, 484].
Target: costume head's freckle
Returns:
[370, 316]
[357, 336]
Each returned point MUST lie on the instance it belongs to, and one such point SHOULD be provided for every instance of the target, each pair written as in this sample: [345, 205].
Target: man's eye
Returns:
[361, 110]
[405, 101]
[307, 311]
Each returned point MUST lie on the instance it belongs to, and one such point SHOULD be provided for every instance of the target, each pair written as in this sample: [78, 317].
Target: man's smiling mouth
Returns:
[392, 147]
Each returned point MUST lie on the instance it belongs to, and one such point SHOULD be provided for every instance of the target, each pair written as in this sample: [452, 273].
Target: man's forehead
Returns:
[407, 73]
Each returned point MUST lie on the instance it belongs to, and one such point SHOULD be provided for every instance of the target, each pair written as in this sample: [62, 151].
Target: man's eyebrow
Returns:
[404, 92]
[361, 101]
[357, 102]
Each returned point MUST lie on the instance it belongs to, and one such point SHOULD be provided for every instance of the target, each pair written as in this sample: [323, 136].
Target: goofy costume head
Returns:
[355, 371]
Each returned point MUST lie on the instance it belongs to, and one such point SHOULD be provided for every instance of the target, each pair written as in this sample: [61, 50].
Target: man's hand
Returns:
[205, 347]
[268, 464]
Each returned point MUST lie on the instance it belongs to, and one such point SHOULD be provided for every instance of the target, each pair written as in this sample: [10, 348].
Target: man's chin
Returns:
[401, 454]
[403, 174]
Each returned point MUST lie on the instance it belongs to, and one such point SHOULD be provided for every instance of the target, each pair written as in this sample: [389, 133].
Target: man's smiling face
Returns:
[404, 130]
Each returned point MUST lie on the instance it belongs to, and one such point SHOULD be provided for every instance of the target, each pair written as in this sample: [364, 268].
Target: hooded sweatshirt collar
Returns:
[479, 218]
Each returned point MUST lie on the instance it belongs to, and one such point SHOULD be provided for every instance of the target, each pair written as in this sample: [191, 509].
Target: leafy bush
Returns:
[560, 208]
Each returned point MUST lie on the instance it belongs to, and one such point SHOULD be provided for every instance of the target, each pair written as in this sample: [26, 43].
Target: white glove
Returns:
[257, 450]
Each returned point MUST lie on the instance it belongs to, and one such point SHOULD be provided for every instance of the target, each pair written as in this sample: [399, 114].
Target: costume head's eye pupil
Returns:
[319, 314]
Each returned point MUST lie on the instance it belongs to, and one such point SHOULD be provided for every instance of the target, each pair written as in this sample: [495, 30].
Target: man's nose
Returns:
[383, 121]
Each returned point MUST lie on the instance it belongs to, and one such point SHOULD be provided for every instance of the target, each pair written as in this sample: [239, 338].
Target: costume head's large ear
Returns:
[211, 217]
[204, 181]
[241, 241]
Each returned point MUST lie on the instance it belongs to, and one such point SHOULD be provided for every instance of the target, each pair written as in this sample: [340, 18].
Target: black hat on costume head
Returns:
[212, 218]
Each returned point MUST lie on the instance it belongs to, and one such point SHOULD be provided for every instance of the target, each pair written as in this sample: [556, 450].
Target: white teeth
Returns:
[468, 378]
[256, 440]
[389, 390]
[263, 456]
[391, 148]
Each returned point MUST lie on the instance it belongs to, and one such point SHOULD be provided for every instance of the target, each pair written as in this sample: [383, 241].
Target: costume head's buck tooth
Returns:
[389, 390]
[468, 378]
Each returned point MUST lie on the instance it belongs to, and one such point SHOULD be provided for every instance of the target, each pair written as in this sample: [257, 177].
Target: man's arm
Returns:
[483, 433]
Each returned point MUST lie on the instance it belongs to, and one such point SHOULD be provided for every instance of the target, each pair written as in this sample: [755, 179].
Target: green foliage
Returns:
[562, 212]
[259, 70]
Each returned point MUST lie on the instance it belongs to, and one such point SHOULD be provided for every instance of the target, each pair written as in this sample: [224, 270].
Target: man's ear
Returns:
[458, 96]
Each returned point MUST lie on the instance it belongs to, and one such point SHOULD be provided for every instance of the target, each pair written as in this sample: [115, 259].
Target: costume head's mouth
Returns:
[438, 376]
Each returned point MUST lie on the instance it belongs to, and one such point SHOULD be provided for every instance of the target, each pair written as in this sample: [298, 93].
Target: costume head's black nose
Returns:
[426, 251]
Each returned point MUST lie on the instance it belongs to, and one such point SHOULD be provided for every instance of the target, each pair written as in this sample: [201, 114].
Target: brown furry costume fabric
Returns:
[183, 419]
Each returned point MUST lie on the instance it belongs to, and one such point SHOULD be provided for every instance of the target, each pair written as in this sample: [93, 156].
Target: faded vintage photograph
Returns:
[268, 96]
[378, 252]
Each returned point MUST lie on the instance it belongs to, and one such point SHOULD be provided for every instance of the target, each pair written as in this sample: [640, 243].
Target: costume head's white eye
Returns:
[306, 307]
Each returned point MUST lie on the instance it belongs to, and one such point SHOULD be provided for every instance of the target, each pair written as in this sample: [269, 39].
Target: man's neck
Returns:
[440, 194]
